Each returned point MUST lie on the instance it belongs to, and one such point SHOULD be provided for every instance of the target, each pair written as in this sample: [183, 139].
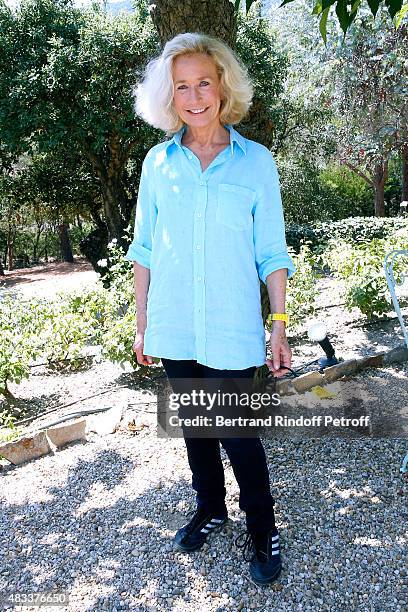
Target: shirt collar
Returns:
[234, 137]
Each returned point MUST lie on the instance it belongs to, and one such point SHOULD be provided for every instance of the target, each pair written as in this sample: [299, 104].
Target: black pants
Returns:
[247, 457]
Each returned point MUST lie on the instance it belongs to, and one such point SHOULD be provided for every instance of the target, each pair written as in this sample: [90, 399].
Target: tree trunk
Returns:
[8, 396]
[116, 204]
[94, 247]
[1, 268]
[404, 155]
[10, 245]
[213, 17]
[65, 243]
[96, 217]
[379, 180]
[40, 228]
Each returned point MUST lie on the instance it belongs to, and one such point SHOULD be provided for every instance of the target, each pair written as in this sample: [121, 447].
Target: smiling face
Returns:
[196, 88]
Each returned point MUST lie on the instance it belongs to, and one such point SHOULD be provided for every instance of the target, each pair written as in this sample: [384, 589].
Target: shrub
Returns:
[353, 229]
[20, 325]
[301, 288]
[360, 266]
[35, 329]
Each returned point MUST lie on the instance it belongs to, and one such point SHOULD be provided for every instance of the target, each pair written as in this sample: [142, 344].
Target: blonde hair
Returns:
[154, 94]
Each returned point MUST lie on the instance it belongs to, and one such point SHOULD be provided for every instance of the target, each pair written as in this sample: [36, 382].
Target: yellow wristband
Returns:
[280, 317]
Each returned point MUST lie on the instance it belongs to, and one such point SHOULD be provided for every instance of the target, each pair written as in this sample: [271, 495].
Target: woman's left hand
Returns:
[280, 349]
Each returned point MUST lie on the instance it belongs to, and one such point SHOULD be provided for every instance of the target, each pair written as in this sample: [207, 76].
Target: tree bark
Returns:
[117, 205]
[10, 249]
[379, 180]
[94, 211]
[65, 243]
[404, 155]
[214, 17]
[94, 247]
[40, 227]
[1, 268]
[8, 396]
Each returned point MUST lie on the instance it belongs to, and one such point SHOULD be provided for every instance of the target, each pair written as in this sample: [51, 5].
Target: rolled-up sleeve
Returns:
[145, 219]
[269, 226]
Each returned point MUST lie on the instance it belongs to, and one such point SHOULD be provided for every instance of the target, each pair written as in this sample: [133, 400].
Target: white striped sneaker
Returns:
[193, 535]
[263, 552]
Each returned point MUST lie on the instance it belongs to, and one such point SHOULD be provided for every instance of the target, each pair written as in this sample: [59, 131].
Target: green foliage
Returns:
[345, 194]
[74, 80]
[369, 78]
[120, 319]
[119, 274]
[301, 291]
[20, 324]
[8, 429]
[346, 12]
[360, 266]
[348, 195]
[64, 333]
[311, 194]
[61, 331]
[354, 229]
[297, 234]
[301, 288]
[66, 106]
[300, 190]
[267, 64]
[361, 229]
[52, 331]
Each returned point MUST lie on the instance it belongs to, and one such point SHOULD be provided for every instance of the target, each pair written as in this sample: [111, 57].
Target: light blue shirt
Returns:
[208, 238]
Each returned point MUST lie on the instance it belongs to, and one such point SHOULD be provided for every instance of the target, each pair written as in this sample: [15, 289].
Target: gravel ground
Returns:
[97, 519]
[352, 335]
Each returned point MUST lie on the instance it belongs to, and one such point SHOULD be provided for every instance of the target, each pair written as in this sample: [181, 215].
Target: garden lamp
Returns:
[317, 332]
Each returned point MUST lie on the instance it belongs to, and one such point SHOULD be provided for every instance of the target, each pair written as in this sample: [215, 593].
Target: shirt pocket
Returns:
[234, 206]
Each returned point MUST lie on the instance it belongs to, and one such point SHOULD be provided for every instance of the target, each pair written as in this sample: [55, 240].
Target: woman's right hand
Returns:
[138, 347]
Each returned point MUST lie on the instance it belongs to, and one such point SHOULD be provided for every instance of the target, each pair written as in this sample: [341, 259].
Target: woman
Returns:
[209, 226]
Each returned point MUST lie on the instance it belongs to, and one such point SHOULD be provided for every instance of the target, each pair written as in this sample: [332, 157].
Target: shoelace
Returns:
[245, 541]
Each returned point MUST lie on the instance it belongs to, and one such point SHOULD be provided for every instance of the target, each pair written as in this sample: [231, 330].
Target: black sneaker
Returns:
[263, 552]
[193, 535]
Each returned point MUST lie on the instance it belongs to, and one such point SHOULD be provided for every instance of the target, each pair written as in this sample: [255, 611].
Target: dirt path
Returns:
[48, 279]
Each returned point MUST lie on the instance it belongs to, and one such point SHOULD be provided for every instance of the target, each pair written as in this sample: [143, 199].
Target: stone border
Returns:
[53, 438]
[345, 368]
[43, 442]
